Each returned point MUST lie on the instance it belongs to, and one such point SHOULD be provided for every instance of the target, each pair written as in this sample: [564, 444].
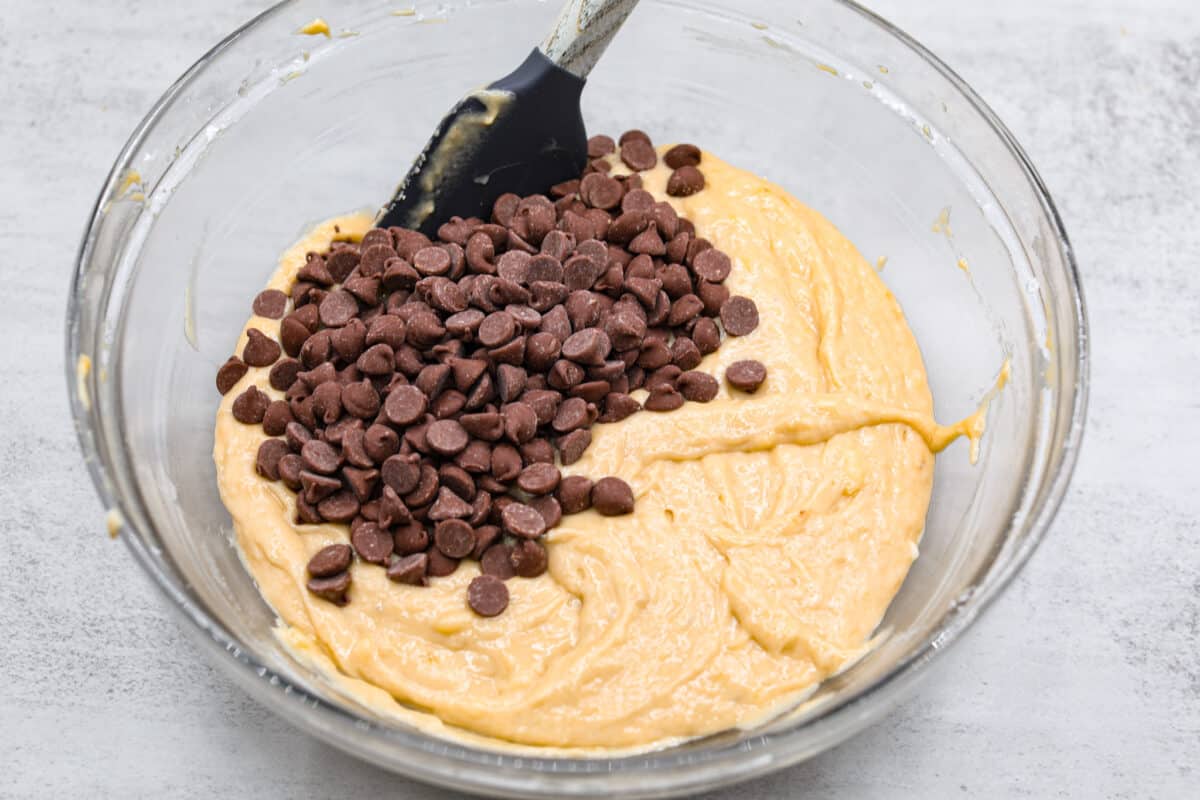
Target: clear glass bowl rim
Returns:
[652, 774]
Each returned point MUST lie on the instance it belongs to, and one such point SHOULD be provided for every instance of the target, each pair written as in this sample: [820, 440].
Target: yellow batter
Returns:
[770, 531]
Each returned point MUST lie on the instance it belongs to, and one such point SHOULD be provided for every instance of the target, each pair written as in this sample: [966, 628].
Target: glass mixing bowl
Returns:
[273, 130]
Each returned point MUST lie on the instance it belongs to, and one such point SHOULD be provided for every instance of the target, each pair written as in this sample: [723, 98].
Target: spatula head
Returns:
[522, 134]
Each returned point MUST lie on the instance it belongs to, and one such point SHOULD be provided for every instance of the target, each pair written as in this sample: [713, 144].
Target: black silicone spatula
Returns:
[521, 134]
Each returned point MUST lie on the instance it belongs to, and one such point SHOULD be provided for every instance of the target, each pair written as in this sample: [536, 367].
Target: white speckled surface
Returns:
[1083, 681]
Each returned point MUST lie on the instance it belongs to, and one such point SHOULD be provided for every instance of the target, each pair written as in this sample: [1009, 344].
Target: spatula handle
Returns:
[583, 29]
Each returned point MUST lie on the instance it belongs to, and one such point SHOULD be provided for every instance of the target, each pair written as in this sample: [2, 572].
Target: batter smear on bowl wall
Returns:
[637, 460]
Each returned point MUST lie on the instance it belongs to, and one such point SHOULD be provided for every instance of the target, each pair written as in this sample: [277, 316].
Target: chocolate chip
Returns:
[380, 442]
[330, 560]
[250, 406]
[432, 379]
[297, 435]
[361, 481]
[270, 452]
[675, 280]
[712, 295]
[327, 402]
[464, 323]
[372, 543]
[487, 595]
[654, 354]
[572, 446]
[663, 376]
[549, 508]
[544, 403]
[537, 451]
[618, 406]
[637, 200]
[677, 247]
[583, 309]
[512, 353]
[431, 261]
[529, 558]
[538, 479]
[320, 457]
[712, 265]
[446, 437]
[663, 398]
[574, 494]
[648, 242]
[684, 310]
[276, 418]
[588, 346]
[290, 467]
[354, 449]
[332, 588]
[600, 145]
[591, 391]
[571, 414]
[427, 488]
[684, 353]
[317, 488]
[628, 225]
[497, 328]
[510, 382]
[485, 537]
[338, 308]
[685, 181]
[706, 336]
[746, 375]
[260, 350]
[321, 374]
[409, 569]
[612, 497]
[270, 303]
[504, 208]
[386, 329]
[520, 422]
[440, 564]
[231, 372]
[405, 405]
[349, 340]
[497, 561]
[424, 330]
[448, 404]
[449, 506]
[695, 247]
[454, 538]
[401, 473]
[341, 506]
[638, 154]
[601, 191]
[378, 360]
[522, 521]
[445, 295]
[739, 315]
[314, 272]
[698, 387]
[483, 393]
[361, 400]
[481, 253]
[410, 537]
[682, 155]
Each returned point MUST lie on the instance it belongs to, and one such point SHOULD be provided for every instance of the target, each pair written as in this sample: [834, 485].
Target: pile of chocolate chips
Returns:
[430, 387]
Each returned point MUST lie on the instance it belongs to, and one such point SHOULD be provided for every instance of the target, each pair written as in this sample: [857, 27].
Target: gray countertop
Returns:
[1083, 681]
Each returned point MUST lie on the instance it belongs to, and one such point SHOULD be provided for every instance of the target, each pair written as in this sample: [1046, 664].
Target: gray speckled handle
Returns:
[582, 32]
